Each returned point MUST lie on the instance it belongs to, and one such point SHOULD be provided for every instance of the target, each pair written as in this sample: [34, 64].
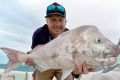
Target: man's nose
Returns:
[57, 23]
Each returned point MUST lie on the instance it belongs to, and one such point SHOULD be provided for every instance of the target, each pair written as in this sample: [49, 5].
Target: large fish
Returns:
[81, 45]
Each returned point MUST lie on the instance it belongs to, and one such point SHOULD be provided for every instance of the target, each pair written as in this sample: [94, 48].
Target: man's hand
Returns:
[29, 62]
[83, 69]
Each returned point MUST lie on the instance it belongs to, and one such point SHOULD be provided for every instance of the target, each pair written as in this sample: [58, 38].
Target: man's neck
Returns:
[53, 36]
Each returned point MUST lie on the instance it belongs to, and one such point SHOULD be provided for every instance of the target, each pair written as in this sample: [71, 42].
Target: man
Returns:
[55, 25]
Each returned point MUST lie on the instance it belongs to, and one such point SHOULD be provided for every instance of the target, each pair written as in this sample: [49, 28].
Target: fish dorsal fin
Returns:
[65, 73]
[36, 48]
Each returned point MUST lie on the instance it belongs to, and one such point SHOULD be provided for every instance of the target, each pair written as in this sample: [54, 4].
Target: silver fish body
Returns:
[84, 44]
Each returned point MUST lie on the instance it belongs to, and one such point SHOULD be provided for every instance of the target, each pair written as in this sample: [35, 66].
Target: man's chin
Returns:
[57, 33]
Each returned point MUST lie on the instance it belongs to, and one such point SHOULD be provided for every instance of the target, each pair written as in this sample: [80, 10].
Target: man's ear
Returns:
[65, 20]
[47, 20]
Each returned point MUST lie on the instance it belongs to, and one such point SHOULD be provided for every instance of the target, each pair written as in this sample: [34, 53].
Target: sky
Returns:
[20, 18]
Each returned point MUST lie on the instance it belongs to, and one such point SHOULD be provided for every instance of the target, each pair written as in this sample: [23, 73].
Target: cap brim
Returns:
[54, 14]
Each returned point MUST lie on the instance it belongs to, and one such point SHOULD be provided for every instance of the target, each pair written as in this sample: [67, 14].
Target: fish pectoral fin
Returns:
[65, 73]
[40, 68]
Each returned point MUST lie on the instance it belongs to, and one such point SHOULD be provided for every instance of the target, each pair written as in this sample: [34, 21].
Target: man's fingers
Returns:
[80, 68]
[26, 62]
[88, 67]
[29, 62]
[85, 69]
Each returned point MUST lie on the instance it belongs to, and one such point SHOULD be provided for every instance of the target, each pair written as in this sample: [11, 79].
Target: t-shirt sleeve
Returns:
[35, 39]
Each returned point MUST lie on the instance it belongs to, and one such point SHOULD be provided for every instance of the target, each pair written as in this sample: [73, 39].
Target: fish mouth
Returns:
[106, 61]
[109, 68]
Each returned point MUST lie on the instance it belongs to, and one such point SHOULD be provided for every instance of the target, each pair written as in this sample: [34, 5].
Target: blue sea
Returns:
[24, 68]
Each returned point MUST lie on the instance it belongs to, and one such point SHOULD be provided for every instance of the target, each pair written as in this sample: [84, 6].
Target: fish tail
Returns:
[15, 58]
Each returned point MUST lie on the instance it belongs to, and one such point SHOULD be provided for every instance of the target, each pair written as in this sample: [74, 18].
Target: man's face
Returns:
[56, 24]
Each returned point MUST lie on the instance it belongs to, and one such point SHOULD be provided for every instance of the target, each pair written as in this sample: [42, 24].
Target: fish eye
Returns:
[98, 40]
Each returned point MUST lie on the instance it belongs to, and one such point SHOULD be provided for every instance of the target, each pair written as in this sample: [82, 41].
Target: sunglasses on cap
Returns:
[56, 7]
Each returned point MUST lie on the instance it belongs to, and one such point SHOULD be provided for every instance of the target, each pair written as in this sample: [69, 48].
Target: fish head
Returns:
[96, 49]
[99, 45]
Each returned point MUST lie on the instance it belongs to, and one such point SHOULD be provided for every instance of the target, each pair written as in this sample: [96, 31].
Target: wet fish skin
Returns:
[84, 44]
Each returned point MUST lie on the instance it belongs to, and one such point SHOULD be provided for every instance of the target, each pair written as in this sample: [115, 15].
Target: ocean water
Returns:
[24, 68]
